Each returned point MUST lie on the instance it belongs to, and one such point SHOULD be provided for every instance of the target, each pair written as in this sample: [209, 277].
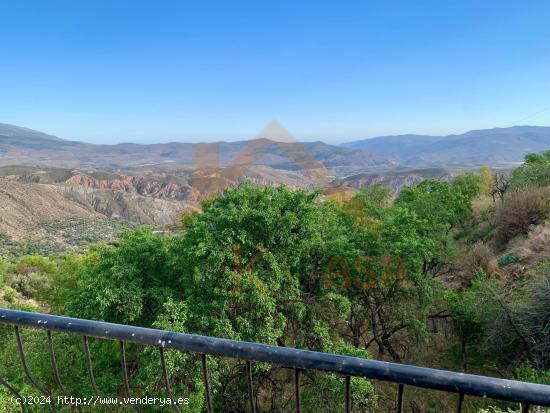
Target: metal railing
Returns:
[528, 394]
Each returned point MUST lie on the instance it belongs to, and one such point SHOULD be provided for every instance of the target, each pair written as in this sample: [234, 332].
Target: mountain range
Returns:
[21, 146]
[58, 194]
[497, 147]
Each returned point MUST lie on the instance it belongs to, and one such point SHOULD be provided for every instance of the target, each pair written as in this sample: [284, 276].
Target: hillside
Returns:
[19, 146]
[22, 206]
[496, 147]
[397, 180]
[50, 218]
[500, 147]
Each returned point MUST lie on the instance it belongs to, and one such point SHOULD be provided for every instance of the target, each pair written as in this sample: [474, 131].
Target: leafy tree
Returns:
[128, 284]
[534, 171]
[487, 179]
[473, 310]
[440, 206]
[246, 258]
[381, 273]
[469, 185]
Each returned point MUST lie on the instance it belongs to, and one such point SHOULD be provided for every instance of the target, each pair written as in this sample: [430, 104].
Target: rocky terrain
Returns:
[40, 218]
[48, 210]
[397, 180]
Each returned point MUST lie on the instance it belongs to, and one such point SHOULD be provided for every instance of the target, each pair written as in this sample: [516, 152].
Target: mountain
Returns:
[20, 146]
[18, 133]
[497, 147]
[501, 147]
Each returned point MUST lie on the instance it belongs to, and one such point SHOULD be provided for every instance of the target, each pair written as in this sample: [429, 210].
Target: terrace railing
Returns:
[527, 394]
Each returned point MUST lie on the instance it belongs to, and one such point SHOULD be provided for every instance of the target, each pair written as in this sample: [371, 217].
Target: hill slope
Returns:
[20, 146]
[499, 146]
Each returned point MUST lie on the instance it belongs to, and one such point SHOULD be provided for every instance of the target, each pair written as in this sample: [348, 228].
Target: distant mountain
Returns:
[17, 132]
[497, 147]
[20, 146]
[502, 147]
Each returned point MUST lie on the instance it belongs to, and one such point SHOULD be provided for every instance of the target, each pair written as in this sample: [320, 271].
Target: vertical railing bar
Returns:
[55, 369]
[297, 390]
[460, 402]
[400, 391]
[14, 391]
[206, 380]
[45, 391]
[250, 386]
[125, 374]
[525, 407]
[347, 391]
[90, 369]
[167, 379]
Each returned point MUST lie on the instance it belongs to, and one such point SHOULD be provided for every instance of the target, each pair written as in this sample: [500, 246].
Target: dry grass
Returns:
[478, 256]
[520, 210]
[533, 250]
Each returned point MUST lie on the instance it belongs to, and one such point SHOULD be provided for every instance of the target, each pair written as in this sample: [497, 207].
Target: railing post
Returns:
[90, 369]
[400, 391]
[297, 390]
[206, 380]
[167, 379]
[44, 391]
[460, 402]
[125, 373]
[55, 369]
[250, 387]
[13, 391]
[347, 391]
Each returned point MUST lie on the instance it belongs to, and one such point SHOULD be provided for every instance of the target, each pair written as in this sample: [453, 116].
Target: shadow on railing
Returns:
[528, 394]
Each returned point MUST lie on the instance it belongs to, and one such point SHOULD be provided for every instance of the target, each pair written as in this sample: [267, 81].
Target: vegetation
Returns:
[56, 238]
[371, 276]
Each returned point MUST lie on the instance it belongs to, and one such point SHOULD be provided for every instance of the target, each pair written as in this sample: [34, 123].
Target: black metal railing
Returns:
[527, 394]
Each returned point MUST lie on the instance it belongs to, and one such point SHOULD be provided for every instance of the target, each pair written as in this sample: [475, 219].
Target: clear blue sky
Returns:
[154, 71]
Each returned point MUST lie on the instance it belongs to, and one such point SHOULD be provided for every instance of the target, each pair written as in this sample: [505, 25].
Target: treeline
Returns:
[364, 277]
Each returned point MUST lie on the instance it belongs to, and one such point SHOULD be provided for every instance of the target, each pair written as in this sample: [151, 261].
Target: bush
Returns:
[521, 208]
[9, 294]
[473, 233]
[479, 256]
[32, 285]
[508, 259]
[535, 171]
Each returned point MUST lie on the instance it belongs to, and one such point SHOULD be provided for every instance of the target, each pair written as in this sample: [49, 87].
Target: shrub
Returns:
[508, 259]
[474, 233]
[521, 208]
[479, 256]
[32, 284]
[535, 171]
[9, 294]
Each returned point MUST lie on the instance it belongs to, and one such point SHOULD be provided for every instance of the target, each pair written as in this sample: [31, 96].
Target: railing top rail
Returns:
[469, 384]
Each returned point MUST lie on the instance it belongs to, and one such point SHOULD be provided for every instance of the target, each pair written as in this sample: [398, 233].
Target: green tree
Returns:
[440, 206]
[487, 179]
[128, 284]
[381, 273]
[534, 171]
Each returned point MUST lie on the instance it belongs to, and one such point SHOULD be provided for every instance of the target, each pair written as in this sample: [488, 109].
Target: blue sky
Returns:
[155, 71]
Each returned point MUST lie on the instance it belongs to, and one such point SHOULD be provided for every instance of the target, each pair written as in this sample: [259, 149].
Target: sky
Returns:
[155, 71]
